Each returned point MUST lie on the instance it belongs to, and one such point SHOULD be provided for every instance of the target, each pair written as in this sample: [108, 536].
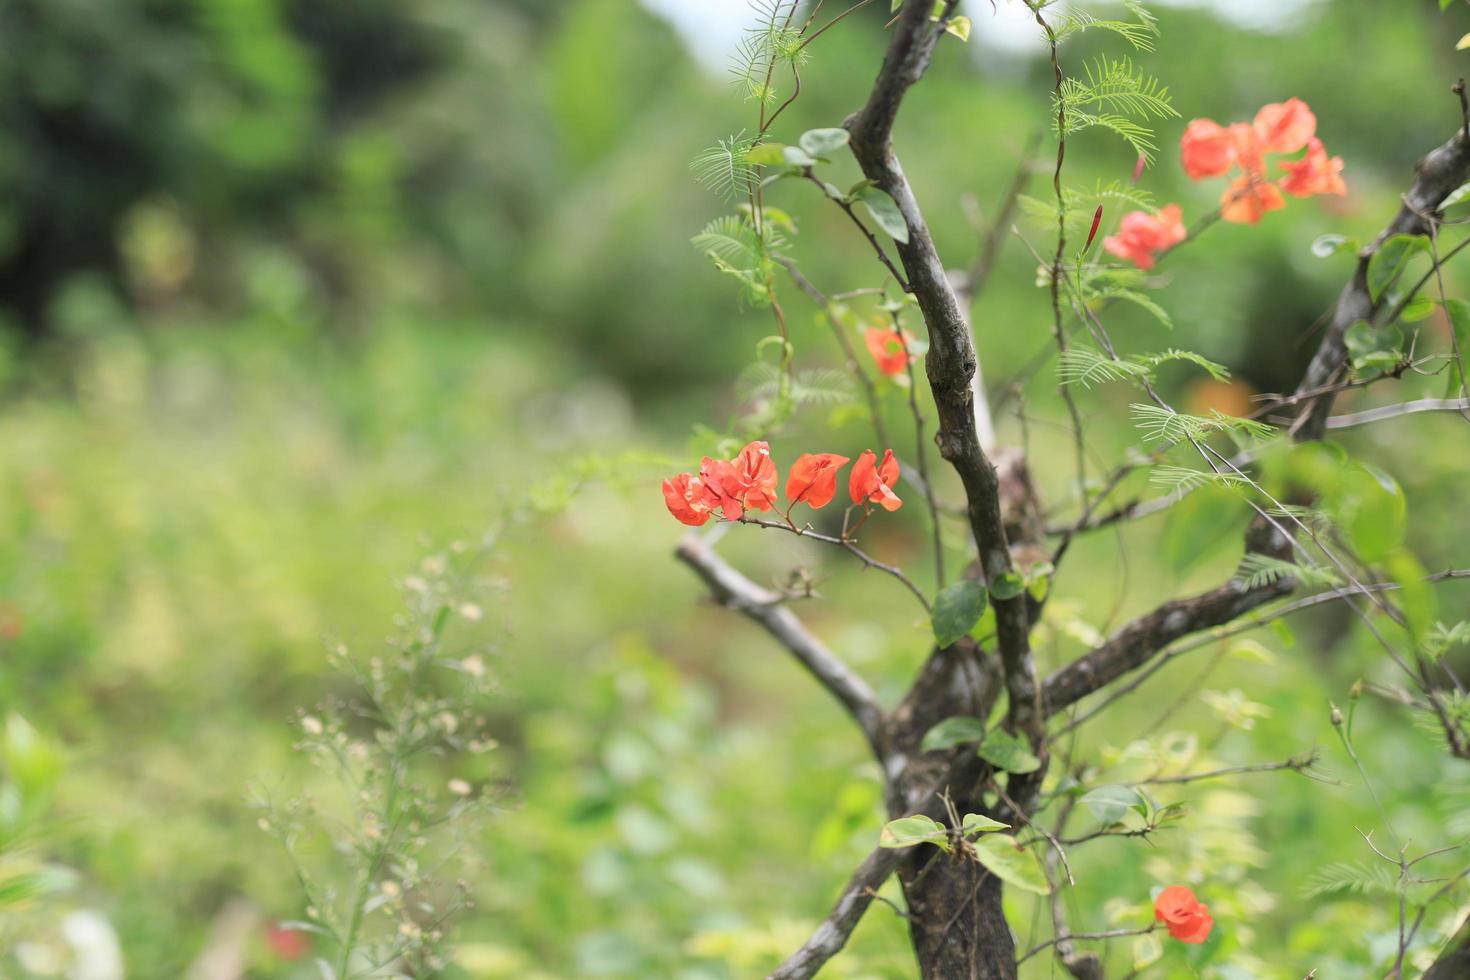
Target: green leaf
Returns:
[1417, 309]
[956, 730]
[820, 142]
[797, 157]
[1459, 313]
[1005, 751]
[884, 210]
[957, 608]
[766, 155]
[1371, 509]
[913, 831]
[959, 27]
[979, 823]
[1007, 586]
[1111, 803]
[1374, 348]
[1386, 264]
[1415, 596]
[1011, 863]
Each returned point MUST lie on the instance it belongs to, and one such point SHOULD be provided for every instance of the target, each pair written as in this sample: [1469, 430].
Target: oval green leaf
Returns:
[1005, 751]
[957, 608]
[913, 831]
[951, 732]
[884, 210]
[1011, 863]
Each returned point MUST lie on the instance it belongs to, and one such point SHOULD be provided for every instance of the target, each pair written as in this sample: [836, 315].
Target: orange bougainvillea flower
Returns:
[689, 499]
[1206, 149]
[1182, 914]
[813, 479]
[874, 483]
[747, 482]
[1285, 127]
[1314, 173]
[1250, 152]
[1247, 199]
[1142, 236]
[891, 354]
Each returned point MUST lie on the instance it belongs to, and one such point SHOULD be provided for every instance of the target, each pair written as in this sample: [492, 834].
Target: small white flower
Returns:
[471, 612]
[460, 788]
[312, 725]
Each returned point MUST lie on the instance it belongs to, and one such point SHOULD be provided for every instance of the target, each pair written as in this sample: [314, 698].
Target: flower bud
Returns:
[1336, 716]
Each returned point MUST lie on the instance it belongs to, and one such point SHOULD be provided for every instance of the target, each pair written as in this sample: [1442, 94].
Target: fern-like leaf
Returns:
[1182, 479]
[1217, 371]
[725, 168]
[1087, 366]
[1353, 877]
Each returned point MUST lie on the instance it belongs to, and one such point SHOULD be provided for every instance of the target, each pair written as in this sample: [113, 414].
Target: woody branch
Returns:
[951, 362]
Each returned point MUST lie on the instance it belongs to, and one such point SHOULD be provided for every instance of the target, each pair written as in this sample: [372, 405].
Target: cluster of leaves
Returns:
[1116, 96]
[976, 838]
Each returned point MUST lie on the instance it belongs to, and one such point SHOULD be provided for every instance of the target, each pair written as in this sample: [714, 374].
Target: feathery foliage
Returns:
[1116, 96]
[725, 168]
[1139, 32]
[1160, 423]
[771, 42]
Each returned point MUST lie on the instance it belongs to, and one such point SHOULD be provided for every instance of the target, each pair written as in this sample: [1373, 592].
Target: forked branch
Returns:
[734, 591]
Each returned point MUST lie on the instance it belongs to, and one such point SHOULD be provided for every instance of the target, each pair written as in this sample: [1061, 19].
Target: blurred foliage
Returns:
[299, 291]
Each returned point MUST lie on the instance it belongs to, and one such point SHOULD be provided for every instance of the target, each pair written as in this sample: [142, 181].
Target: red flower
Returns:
[1285, 127]
[1247, 199]
[1141, 236]
[875, 483]
[1182, 914]
[1314, 173]
[747, 482]
[891, 353]
[288, 944]
[1250, 152]
[1206, 149]
[689, 499]
[813, 478]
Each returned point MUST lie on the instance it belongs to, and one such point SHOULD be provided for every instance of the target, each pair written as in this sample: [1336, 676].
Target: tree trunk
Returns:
[956, 922]
[958, 928]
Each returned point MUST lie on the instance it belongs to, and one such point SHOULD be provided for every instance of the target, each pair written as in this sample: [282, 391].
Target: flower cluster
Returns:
[1208, 149]
[1142, 236]
[748, 482]
[1182, 914]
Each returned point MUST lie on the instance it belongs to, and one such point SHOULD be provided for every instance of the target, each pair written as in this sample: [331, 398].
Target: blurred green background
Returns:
[292, 291]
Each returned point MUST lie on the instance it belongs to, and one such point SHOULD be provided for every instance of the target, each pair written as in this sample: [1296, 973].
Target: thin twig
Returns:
[1110, 934]
[1296, 764]
[847, 545]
